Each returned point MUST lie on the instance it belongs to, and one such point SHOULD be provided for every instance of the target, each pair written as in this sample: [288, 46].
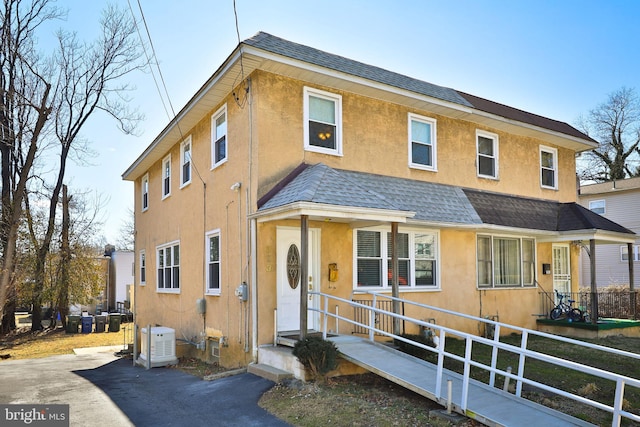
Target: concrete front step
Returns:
[269, 372]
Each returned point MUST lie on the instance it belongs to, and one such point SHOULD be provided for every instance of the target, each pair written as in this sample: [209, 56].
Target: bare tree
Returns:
[25, 107]
[127, 232]
[77, 81]
[615, 124]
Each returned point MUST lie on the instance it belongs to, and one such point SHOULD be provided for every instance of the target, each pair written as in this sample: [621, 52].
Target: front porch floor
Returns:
[604, 328]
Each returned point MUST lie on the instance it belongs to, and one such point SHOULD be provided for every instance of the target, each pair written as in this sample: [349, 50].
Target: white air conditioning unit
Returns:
[162, 350]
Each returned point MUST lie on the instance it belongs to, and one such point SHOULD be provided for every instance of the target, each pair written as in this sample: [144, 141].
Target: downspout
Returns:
[254, 294]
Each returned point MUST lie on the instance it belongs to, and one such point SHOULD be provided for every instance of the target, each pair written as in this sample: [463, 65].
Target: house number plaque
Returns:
[293, 266]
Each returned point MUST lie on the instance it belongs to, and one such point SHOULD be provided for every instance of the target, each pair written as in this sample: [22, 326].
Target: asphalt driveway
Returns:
[103, 390]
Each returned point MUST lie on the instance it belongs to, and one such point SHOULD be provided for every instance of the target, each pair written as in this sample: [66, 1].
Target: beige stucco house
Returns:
[286, 142]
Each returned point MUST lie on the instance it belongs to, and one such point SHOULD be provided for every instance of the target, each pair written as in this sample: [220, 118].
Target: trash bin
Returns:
[73, 322]
[114, 322]
[87, 324]
[101, 321]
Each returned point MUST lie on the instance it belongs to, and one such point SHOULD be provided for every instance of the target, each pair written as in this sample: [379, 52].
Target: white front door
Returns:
[561, 269]
[289, 281]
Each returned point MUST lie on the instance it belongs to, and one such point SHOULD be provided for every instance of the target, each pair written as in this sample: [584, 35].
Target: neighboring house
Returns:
[618, 201]
[121, 277]
[286, 142]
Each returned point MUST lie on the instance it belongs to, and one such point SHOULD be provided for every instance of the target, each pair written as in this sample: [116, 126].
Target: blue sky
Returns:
[558, 59]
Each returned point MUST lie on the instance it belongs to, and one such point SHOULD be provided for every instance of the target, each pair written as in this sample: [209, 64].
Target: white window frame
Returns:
[623, 253]
[434, 141]
[144, 192]
[337, 100]
[553, 152]
[166, 177]
[172, 266]
[385, 257]
[183, 144]
[143, 267]
[215, 138]
[495, 139]
[207, 251]
[521, 262]
[598, 206]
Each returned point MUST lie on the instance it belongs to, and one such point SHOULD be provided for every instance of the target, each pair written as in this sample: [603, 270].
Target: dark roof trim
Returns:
[281, 184]
[519, 212]
[522, 116]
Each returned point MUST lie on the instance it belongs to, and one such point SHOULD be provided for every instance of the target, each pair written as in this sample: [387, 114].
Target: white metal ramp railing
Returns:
[467, 384]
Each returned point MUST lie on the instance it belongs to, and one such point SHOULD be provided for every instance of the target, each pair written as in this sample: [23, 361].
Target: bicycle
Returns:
[564, 309]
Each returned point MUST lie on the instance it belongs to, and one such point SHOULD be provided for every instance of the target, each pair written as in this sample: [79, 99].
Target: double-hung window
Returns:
[166, 176]
[213, 263]
[219, 137]
[144, 191]
[505, 262]
[185, 162]
[422, 142]
[487, 161]
[624, 253]
[143, 268]
[417, 259]
[168, 260]
[549, 167]
[598, 206]
[322, 121]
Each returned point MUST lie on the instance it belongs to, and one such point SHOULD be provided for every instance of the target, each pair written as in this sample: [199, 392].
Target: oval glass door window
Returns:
[293, 266]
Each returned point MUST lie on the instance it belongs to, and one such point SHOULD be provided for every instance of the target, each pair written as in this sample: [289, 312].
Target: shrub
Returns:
[414, 350]
[317, 355]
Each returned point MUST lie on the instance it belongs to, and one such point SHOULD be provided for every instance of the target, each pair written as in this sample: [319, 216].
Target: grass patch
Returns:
[595, 388]
[25, 344]
[356, 400]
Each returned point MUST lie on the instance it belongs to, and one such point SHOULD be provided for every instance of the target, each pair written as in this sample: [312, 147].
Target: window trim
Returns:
[184, 143]
[221, 111]
[172, 245]
[496, 144]
[603, 207]
[165, 161]
[142, 257]
[433, 123]
[385, 258]
[554, 152]
[521, 261]
[208, 236]
[337, 100]
[636, 253]
[144, 192]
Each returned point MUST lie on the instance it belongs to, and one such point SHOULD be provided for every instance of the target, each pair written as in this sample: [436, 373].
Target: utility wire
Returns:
[155, 61]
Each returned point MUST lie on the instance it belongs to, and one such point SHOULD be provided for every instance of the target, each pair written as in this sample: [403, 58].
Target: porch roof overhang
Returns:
[331, 213]
[363, 199]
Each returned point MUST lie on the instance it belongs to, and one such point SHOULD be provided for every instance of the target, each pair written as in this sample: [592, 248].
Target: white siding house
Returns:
[618, 201]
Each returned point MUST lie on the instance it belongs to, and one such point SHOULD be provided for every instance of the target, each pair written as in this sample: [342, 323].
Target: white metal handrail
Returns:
[524, 353]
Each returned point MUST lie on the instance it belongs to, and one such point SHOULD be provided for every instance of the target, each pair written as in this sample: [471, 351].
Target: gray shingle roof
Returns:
[431, 202]
[322, 184]
[308, 54]
[314, 56]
